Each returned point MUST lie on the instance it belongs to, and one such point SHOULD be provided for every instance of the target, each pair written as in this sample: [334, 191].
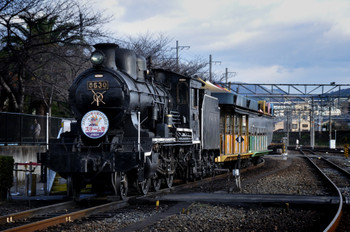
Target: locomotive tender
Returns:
[141, 129]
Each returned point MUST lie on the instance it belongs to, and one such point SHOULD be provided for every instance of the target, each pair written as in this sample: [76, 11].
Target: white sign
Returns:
[94, 124]
[239, 139]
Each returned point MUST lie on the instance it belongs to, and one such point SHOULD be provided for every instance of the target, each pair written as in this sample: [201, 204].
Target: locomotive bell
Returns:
[104, 56]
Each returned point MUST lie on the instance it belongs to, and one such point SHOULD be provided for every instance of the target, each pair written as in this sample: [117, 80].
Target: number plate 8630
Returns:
[97, 85]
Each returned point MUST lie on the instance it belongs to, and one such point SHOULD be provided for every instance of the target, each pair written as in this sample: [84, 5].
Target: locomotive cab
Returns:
[183, 117]
[187, 99]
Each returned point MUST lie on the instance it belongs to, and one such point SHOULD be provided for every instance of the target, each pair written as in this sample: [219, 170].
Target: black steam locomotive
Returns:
[140, 129]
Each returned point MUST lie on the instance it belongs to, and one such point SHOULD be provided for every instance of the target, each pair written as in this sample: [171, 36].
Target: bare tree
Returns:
[158, 49]
[43, 43]
[11, 78]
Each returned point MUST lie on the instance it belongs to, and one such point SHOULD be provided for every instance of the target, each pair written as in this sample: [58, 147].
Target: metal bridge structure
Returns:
[315, 102]
[278, 93]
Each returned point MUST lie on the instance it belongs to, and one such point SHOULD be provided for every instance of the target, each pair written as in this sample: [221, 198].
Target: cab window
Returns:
[182, 93]
[194, 96]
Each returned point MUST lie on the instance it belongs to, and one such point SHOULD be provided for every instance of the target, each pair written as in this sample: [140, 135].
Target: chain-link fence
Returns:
[27, 129]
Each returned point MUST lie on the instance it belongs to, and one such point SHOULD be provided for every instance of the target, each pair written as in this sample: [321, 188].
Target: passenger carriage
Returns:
[245, 126]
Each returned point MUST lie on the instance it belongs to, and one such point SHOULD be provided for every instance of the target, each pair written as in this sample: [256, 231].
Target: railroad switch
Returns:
[347, 200]
[237, 176]
[346, 196]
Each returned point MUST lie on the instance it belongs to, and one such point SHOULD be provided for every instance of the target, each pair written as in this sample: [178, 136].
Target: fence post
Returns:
[47, 131]
[6, 129]
[16, 178]
[26, 182]
[30, 187]
[44, 176]
[20, 129]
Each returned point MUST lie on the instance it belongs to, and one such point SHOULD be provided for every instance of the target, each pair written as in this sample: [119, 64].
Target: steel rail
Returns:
[10, 218]
[66, 218]
[229, 198]
[336, 220]
[337, 167]
[70, 217]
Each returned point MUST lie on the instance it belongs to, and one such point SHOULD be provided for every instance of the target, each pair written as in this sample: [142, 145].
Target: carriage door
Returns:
[244, 137]
[237, 133]
[228, 135]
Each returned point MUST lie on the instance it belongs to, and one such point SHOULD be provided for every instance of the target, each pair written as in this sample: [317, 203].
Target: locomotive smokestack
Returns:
[104, 55]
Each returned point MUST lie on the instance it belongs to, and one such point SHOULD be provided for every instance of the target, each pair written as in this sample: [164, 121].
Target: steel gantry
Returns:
[317, 100]
[288, 91]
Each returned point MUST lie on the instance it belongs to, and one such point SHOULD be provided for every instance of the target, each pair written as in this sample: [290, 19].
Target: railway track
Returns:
[66, 212]
[337, 177]
[139, 208]
[44, 217]
[18, 219]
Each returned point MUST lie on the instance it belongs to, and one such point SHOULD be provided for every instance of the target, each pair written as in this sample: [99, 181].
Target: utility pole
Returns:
[210, 64]
[312, 125]
[226, 75]
[299, 124]
[330, 121]
[288, 125]
[177, 51]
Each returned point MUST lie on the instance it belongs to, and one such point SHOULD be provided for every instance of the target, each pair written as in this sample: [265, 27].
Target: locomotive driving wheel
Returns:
[171, 167]
[143, 186]
[156, 182]
[120, 184]
[169, 179]
[73, 187]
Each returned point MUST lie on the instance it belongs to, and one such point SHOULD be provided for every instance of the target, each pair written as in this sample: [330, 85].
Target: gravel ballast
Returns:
[279, 175]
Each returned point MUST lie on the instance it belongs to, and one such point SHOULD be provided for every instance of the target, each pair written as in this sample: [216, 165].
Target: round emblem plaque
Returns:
[94, 124]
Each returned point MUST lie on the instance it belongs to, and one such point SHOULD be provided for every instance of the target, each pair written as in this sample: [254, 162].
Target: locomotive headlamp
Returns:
[97, 58]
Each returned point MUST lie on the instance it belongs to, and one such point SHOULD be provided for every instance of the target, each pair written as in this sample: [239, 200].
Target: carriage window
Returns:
[222, 124]
[228, 124]
[244, 125]
[194, 96]
[237, 124]
[182, 93]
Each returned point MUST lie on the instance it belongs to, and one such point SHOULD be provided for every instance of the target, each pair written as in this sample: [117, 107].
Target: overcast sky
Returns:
[264, 41]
